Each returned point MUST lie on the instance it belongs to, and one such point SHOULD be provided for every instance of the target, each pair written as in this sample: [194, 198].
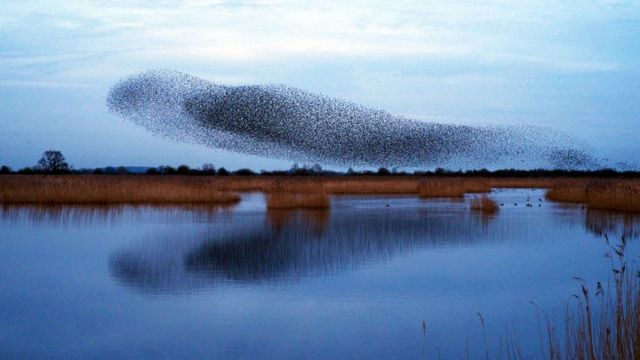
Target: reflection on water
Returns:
[292, 244]
[283, 244]
[613, 224]
[357, 278]
[108, 213]
[315, 219]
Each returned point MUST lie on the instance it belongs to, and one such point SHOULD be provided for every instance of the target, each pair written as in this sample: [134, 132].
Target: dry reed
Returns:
[294, 193]
[607, 194]
[484, 204]
[620, 195]
[39, 189]
[611, 329]
[610, 194]
[297, 201]
[568, 191]
[452, 187]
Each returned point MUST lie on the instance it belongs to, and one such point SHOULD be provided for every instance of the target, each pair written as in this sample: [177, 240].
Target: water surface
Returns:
[355, 281]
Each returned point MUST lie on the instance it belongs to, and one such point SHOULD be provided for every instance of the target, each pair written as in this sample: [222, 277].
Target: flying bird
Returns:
[283, 122]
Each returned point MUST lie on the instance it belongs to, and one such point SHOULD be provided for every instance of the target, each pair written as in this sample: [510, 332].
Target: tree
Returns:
[166, 170]
[245, 172]
[384, 171]
[53, 161]
[183, 169]
[316, 168]
[223, 172]
[5, 170]
[208, 168]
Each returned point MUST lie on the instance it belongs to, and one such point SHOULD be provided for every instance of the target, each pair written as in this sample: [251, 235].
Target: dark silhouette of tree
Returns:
[208, 169]
[316, 168]
[244, 172]
[166, 170]
[5, 170]
[223, 172]
[183, 169]
[384, 171]
[54, 162]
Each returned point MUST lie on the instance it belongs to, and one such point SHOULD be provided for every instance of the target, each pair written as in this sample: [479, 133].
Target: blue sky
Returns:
[570, 65]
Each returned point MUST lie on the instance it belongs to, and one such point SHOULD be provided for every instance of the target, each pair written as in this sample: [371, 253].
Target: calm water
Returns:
[353, 282]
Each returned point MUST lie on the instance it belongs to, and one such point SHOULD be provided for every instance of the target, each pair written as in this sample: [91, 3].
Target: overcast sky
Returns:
[570, 65]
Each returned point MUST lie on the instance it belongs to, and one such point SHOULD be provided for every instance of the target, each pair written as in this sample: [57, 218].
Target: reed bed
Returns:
[603, 323]
[606, 194]
[372, 185]
[610, 194]
[568, 191]
[606, 322]
[297, 194]
[452, 187]
[484, 204]
[39, 189]
[621, 195]
[525, 183]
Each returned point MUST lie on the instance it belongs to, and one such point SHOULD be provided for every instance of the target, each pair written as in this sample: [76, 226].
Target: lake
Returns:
[355, 281]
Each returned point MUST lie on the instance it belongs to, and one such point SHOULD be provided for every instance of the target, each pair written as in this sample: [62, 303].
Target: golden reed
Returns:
[601, 194]
[50, 189]
[484, 204]
[309, 191]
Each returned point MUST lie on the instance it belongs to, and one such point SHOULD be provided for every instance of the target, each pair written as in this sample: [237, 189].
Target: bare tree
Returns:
[53, 161]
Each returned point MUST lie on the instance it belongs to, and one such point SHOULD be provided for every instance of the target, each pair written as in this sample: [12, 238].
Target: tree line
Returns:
[53, 162]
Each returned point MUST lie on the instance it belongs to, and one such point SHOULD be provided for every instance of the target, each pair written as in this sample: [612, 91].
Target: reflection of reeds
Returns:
[484, 204]
[602, 222]
[315, 220]
[299, 201]
[451, 187]
[97, 213]
[110, 189]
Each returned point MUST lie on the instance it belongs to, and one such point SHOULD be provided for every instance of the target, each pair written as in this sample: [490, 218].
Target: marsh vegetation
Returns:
[618, 194]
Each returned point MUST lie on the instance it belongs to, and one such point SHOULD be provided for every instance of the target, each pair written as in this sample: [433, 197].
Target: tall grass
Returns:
[574, 191]
[602, 194]
[602, 324]
[293, 193]
[606, 322]
[297, 201]
[372, 185]
[452, 187]
[39, 189]
[608, 194]
[484, 204]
